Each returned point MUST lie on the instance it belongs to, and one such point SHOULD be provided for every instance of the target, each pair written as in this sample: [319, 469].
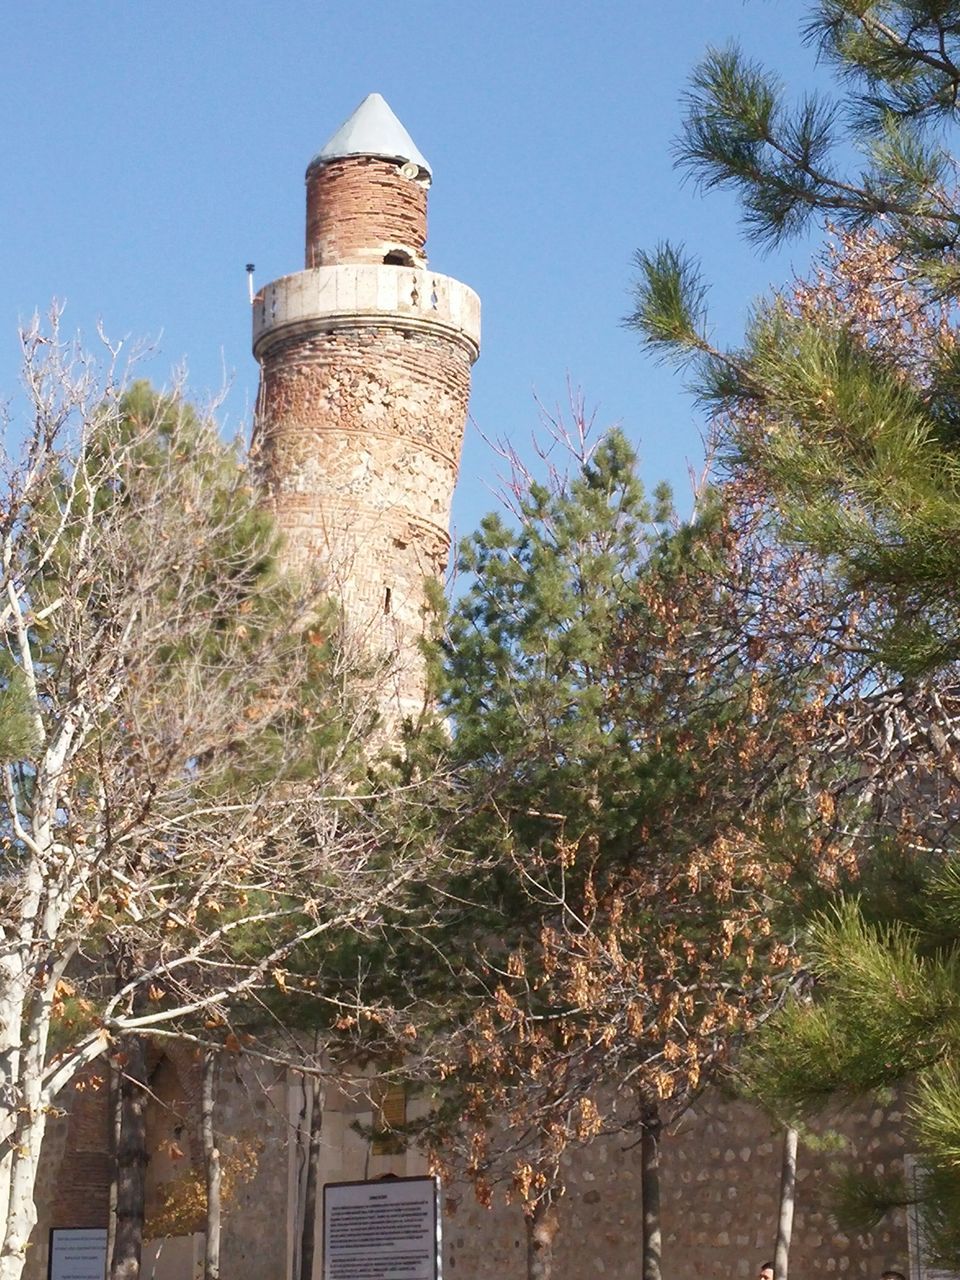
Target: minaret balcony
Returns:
[348, 295]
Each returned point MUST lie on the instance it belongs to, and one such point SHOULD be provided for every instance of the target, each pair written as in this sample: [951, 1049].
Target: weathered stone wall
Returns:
[173, 1135]
[722, 1174]
[721, 1169]
[361, 209]
[251, 1119]
[720, 1189]
[252, 1108]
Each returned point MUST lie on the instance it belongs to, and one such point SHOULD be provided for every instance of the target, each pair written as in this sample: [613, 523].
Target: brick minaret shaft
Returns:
[365, 361]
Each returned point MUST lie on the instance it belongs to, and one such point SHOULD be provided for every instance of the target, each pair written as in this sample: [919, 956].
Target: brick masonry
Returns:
[360, 209]
[365, 379]
[362, 459]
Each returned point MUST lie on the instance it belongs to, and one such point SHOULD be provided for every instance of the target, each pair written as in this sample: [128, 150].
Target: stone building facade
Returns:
[365, 361]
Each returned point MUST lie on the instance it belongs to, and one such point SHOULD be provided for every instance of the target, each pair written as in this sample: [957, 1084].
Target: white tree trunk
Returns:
[11, 1012]
[26, 1139]
[211, 1166]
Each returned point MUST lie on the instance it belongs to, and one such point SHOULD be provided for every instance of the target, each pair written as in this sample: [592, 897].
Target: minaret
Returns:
[365, 361]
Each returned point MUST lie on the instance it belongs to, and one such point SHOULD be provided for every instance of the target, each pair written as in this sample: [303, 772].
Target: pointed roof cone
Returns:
[372, 130]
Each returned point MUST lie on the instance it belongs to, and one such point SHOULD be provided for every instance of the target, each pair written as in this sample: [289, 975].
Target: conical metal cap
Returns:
[372, 130]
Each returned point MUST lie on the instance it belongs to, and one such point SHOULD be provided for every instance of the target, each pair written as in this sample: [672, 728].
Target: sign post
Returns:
[388, 1229]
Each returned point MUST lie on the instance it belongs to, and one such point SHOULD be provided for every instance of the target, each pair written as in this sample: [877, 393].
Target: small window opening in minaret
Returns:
[386, 600]
[397, 258]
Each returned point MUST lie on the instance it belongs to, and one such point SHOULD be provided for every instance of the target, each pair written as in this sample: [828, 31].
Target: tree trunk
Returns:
[131, 1160]
[21, 1139]
[211, 1165]
[10, 1036]
[308, 1238]
[542, 1226]
[650, 1191]
[115, 1103]
[788, 1182]
[22, 1210]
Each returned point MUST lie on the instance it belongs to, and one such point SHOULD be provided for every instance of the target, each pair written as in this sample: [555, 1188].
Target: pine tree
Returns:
[862, 460]
[617, 756]
[838, 415]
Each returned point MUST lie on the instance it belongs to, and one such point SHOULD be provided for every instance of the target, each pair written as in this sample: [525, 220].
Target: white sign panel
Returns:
[384, 1230]
[78, 1255]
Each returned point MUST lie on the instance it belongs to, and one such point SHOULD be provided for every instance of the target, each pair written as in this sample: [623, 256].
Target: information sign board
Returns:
[78, 1254]
[388, 1229]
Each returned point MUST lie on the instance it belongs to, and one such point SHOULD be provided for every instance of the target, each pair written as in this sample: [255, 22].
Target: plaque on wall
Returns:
[78, 1253]
[382, 1230]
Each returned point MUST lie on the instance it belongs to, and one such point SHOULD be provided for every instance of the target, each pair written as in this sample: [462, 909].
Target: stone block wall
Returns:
[720, 1188]
[720, 1196]
[722, 1183]
[252, 1108]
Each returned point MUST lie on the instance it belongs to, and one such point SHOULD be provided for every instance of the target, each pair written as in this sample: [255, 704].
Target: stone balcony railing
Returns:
[323, 299]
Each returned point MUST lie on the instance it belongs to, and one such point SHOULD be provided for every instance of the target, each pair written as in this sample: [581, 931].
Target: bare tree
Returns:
[189, 783]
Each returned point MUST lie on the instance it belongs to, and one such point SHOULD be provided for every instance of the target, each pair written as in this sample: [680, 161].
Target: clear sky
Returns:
[150, 150]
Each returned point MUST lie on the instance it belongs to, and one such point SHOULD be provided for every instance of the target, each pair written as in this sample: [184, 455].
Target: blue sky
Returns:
[151, 150]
